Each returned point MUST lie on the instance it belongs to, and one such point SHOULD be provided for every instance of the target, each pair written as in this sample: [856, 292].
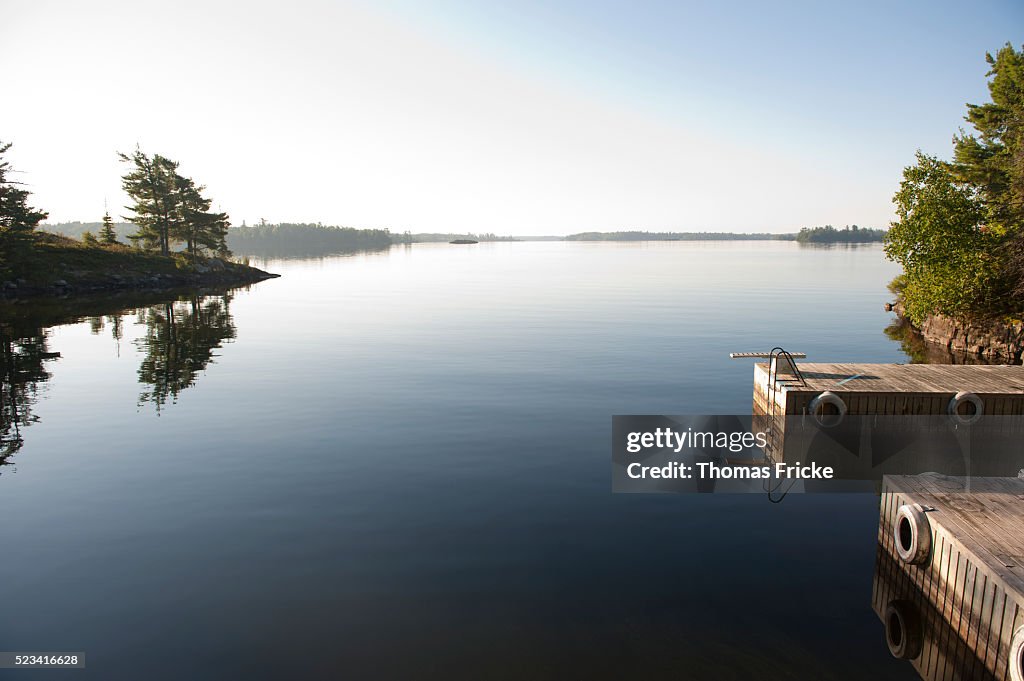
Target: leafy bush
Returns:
[949, 258]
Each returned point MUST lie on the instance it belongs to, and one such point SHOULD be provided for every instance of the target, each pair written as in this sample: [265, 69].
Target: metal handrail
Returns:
[774, 356]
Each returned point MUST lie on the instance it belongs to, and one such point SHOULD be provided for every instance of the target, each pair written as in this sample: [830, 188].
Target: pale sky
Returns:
[514, 118]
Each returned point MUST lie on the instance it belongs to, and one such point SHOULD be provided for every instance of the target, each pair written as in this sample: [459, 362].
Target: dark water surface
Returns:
[396, 465]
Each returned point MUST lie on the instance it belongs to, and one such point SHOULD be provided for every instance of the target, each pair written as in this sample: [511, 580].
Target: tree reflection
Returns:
[116, 321]
[920, 351]
[180, 339]
[22, 352]
[179, 343]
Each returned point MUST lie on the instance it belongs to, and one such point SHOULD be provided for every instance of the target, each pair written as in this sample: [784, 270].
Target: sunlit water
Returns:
[396, 465]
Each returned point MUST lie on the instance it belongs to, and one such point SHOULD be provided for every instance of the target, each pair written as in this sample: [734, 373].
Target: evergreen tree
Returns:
[993, 159]
[195, 225]
[89, 239]
[170, 208]
[212, 234]
[108, 236]
[151, 185]
[17, 219]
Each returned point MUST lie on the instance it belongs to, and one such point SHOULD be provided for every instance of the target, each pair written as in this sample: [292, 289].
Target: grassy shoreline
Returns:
[59, 266]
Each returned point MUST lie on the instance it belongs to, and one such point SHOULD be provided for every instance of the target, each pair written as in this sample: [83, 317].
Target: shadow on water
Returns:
[182, 333]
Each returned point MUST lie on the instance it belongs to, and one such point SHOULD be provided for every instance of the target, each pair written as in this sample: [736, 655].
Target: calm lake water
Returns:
[396, 465]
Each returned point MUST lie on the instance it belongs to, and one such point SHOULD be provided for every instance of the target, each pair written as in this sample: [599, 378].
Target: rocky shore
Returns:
[227, 274]
[59, 267]
[1001, 341]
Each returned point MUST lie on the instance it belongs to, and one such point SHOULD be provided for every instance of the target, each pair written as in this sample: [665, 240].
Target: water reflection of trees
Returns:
[22, 353]
[267, 258]
[920, 351]
[180, 341]
[181, 337]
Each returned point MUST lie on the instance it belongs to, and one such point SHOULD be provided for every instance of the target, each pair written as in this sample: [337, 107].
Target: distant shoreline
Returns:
[312, 238]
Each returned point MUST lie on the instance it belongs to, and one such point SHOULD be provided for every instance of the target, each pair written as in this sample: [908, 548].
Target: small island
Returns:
[179, 242]
[848, 235]
[463, 241]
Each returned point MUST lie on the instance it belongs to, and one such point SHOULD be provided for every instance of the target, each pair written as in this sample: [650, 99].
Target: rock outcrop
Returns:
[211, 272]
[995, 340]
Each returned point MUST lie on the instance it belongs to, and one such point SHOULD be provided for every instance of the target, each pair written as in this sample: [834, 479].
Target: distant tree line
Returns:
[295, 239]
[959, 235]
[288, 239]
[676, 236]
[445, 237]
[830, 235]
[826, 234]
[78, 229]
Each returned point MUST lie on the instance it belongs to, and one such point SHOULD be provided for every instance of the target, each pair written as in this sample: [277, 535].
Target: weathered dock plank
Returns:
[829, 392]
[971, 569]
[916, 631]
[913, 389]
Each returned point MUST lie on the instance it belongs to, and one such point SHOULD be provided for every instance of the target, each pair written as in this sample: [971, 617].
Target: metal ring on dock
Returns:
[827, 398]
[903, 632]
[913, 534]
[966, 419]
[1017, 655]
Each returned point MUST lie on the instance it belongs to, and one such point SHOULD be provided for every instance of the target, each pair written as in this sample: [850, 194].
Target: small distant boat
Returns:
[463, 241]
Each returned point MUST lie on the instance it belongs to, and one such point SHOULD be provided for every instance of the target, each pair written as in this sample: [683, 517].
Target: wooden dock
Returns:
[830, 392]
[949, 580]
[890, 389]
[916, 631]
[949, 584]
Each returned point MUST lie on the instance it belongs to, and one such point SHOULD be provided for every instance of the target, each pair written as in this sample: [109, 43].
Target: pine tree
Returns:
[89, 239]
[170, 208]
[993, 158]
[194, 224]
[151, 185]
[992, 161]
[17, 219]
[108, 236]
[201, 230]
